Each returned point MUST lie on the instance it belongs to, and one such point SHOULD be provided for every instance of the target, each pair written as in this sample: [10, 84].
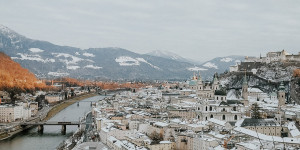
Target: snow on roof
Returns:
[186, 90]
[267, 137]
[216, 121]
[254, 90]
[290, 113]
[161, 124]
[239, 122]
[249, 145]
[293, 129]
[219, 136]
[176, 120]
[196, 125]
[165, 142]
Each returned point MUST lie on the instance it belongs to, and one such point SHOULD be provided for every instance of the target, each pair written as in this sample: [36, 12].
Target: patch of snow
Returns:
[58, 74]
[238, 61]
[33, 58]
[210, 65]
[92, 67]
[144, 61]
[72, 67]
[77, 53]
[88, 54]
[36, 50]
[67, 61]
[227, 59]
[127, 61]
[165, 142]
[89, 60]
[161, 124]
[196, 69]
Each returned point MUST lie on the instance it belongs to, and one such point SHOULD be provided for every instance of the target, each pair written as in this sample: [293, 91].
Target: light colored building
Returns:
[204, 143]
[183, 113]
[230, 110]
[163, 145]
[265, 126]
[53, 98]
[11, 113]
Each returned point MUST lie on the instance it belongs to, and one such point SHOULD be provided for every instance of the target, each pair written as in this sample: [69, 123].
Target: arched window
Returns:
[198, 117]
[235, 117]
[210, 108]
[206, 108]
[223, 117]
[224, 109]
[211, 116]
[198, 108]
[217, 98]
[205, 118]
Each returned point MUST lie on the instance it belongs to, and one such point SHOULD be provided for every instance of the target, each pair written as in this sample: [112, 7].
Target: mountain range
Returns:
[47, 60]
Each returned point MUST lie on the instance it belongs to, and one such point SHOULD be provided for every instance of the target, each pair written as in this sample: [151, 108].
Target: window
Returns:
[205, 118]
[206, 108]
[234, 108]
[235, 117]
[210, 108]
[211, 116]
[223, 117]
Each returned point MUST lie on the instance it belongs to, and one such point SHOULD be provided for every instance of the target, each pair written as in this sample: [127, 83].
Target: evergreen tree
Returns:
[255, 111]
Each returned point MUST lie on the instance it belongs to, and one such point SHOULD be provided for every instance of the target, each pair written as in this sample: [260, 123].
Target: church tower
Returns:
[199, 82]
[245, 88]
[216, 83]
[281, 95]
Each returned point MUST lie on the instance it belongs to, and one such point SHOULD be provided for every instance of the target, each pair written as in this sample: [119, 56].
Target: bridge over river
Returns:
[51, 137]
[42, 124]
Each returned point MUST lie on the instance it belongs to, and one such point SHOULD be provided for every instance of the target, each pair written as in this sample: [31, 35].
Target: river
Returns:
[52, 137]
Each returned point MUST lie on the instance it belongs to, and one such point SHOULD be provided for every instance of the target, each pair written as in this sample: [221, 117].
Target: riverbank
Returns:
[52, 112]
[59, 107]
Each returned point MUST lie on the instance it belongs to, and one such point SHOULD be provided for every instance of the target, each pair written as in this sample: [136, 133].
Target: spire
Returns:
[260, 56]
[199, 77]
[281, 87]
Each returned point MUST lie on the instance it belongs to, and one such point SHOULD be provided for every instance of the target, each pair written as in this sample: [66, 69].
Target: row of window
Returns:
[210, 108]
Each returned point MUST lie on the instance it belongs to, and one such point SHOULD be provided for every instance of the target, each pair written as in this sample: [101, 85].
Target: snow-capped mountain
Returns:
[47, 60]
[172, 56]
[219, 65]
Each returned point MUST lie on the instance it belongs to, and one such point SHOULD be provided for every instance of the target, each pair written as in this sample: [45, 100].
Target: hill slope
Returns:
[13, 75]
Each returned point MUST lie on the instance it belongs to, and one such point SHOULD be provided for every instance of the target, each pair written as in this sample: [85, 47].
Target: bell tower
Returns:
[199, 82]
[245, 88]
[281, 95]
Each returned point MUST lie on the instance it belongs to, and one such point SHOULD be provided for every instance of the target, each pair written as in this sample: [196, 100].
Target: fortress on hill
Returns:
[281, 56]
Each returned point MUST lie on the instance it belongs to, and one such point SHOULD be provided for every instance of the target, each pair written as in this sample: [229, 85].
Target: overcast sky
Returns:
[200, 30]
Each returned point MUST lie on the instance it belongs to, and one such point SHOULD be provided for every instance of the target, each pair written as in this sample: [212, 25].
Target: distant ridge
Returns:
[47, 60]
